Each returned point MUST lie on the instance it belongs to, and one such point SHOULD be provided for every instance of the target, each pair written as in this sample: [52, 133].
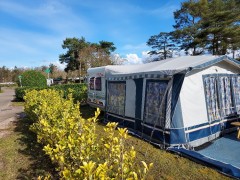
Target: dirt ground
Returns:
[8, 112]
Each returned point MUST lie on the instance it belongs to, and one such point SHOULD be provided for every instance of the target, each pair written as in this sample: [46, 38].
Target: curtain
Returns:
[211, 98]
[236, 92]
[226, 96]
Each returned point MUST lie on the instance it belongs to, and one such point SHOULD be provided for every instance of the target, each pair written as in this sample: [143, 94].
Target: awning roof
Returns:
[166, 67]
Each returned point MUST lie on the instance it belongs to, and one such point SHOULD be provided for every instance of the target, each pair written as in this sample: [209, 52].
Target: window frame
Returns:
[92, 84]
[95, 84]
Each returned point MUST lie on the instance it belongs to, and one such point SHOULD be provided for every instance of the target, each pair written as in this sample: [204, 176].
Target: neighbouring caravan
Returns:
[188, 100]
[96, 87]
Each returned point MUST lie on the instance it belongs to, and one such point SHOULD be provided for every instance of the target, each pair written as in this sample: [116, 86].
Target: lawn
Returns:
[21, 156]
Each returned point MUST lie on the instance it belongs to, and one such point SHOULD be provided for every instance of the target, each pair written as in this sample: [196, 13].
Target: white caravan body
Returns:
[96, 87]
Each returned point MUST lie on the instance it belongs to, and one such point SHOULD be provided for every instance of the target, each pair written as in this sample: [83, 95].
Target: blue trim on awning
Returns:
[201, 133]
[177, 136]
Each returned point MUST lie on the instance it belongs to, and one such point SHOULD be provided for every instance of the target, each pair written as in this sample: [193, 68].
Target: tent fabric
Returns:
[189, 111]
[222, 154]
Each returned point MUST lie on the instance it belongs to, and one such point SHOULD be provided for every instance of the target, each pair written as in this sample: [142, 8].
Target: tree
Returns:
[52, 68]
[162, 45]
[33, 78]
[208, 25]
[220, 26]
[187, 24]
[81, 54]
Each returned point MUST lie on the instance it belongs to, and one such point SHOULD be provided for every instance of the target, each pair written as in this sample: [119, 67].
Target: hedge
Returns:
[73, 144]
[33, 78]
[79, 91]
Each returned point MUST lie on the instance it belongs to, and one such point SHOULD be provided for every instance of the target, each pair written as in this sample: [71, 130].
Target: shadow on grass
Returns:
[88, 112]
[40, 164]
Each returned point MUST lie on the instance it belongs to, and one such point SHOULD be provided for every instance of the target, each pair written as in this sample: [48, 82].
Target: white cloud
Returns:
[133, 59]
[59, 65]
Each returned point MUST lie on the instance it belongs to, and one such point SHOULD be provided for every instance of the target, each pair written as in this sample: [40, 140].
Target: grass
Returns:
[17, 103]
[21, 156]
[166, 165]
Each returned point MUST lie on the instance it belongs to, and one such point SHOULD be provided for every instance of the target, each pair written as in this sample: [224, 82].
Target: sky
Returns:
[32, 31]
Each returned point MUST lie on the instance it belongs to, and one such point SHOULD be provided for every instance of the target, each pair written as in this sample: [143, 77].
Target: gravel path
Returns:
[8, 113]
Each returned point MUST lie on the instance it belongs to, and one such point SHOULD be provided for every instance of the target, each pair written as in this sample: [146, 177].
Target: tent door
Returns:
[154, 108]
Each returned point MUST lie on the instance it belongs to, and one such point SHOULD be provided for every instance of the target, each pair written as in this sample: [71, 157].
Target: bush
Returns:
[72, 142]
[79, 91]
[21, 91]
[33, 79]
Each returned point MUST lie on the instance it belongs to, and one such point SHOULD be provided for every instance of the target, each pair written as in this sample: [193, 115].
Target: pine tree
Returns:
[162, 45]
[220, 26]
[187, 24]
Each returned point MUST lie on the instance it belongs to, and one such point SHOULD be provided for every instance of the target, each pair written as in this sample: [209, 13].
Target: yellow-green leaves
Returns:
[72, 143]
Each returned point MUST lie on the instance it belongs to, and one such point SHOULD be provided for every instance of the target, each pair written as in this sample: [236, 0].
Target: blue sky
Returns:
[32, 31]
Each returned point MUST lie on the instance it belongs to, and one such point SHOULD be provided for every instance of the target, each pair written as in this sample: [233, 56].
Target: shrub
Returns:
[33, 78]
[21, 91]
[72, 143]
[79, 91]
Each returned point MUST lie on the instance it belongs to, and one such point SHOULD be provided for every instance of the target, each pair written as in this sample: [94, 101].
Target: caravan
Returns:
[96, 87]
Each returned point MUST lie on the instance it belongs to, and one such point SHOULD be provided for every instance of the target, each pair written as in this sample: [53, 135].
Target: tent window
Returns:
[222, 96]
[211, 91]
[98, 84]
[116, 98]
[91, 83]
[154, 112]
[226, 96]
[236, 92]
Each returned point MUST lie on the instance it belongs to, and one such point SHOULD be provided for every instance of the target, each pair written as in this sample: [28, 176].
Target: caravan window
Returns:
[95, 83]
[116, 97]
[154, 112]
[98, 84]
[91, 83]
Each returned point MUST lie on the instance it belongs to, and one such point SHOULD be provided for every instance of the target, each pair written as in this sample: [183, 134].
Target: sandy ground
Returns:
[8, 112]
